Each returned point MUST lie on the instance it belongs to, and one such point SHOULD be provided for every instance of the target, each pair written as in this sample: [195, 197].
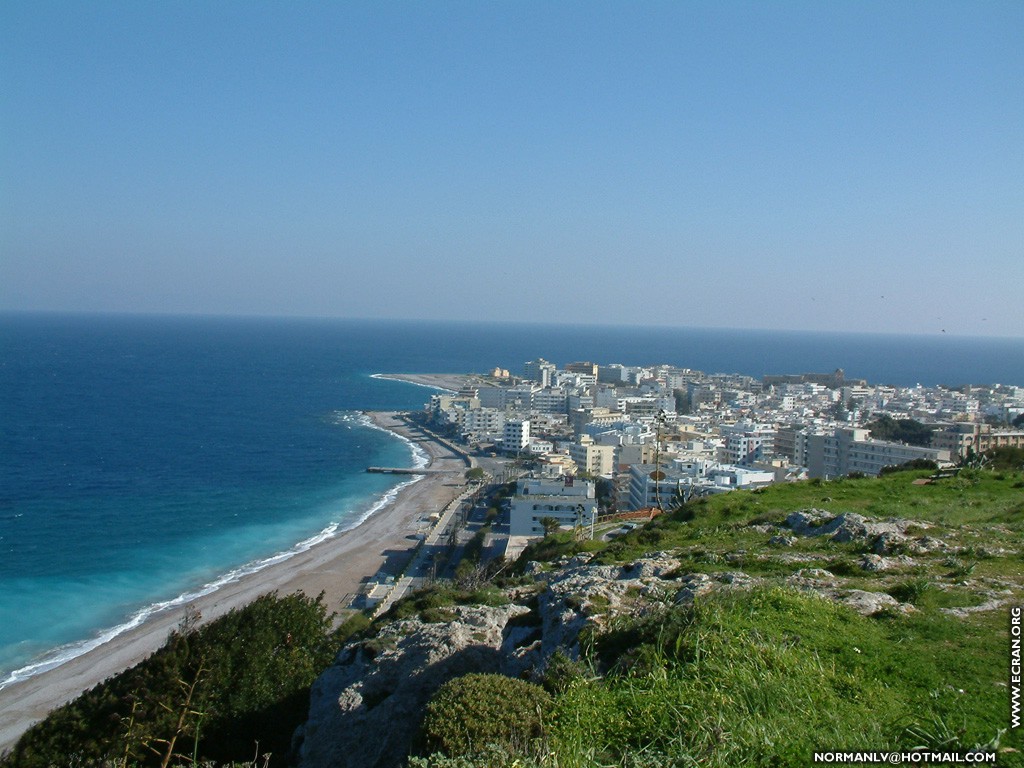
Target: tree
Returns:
[550, 525]
[909, 431]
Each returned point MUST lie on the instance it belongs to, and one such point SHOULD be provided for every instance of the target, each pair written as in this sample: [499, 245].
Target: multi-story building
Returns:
[515, 435]
[540, 371]
[1001, 439]
[598, 460]
[588, 368]
[959, 439]
[520, 397]
[579, 419]
[569, 501]
[550, 400]
[483, 423]
[493, 397]
[613, 374]
[746, 442]
[851, 449]
[665, 487]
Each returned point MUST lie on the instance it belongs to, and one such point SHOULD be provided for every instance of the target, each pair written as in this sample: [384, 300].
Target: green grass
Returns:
[764, 678]
[769, 676]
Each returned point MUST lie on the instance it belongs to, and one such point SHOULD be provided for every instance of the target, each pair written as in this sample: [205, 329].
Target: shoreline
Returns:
[444, 382]
[339, 567]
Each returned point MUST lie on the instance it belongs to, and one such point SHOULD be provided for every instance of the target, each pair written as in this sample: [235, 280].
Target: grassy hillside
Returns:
[766, 676]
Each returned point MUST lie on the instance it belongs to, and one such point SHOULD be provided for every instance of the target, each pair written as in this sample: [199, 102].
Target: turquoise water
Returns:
[146, 459]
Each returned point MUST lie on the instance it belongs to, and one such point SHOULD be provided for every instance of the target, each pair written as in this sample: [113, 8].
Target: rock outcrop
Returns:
[381, 685]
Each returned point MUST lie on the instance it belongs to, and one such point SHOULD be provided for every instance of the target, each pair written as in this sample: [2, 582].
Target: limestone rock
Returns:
[850, 526]
[867, 603]
[876, 563]
[812, 578]
[381, 686]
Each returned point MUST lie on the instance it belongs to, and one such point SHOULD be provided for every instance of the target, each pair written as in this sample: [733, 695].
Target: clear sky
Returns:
[795, 165]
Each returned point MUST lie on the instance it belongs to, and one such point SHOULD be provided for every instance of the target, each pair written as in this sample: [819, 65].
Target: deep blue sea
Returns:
[144, 459]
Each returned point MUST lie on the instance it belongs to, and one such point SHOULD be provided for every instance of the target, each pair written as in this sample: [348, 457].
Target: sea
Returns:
[146, 460]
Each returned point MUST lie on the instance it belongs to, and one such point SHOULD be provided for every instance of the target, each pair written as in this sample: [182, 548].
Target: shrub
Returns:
[470, 713]
[562, 671]
[911, 590]
[218, 690]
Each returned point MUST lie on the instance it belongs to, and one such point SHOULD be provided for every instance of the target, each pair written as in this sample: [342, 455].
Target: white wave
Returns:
[66, 653]
[419, 456]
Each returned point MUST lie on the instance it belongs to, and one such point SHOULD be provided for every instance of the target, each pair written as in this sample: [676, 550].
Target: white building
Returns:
[516, 435]
[540, 370]
[484, 423]
[550, 400]
[746, 442]
[685, 479]
[851, 449]
[538, 447]
[570, 501]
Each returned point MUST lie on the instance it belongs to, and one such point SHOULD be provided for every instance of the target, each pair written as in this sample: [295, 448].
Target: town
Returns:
[586, 440]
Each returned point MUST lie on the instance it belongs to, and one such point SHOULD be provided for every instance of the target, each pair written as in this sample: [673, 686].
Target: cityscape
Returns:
[657, 436]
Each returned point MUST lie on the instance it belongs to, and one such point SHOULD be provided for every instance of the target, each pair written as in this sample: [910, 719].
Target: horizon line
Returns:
[105, 313]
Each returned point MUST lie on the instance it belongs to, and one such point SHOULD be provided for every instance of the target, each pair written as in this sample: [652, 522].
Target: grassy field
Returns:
[767, 676]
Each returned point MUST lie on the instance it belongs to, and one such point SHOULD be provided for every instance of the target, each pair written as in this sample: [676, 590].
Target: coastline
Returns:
[338, 566]
[445, 382]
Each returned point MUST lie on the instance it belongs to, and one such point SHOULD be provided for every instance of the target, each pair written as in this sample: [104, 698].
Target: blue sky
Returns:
[791, 165]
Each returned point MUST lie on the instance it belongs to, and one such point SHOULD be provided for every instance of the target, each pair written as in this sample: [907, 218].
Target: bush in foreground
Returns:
[211, 693]
[475, 712]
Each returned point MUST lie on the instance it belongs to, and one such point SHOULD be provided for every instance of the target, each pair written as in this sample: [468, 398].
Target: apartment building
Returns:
[570, 501]
[598, 460]
[851, 449]
[746, 442]
[515, 435]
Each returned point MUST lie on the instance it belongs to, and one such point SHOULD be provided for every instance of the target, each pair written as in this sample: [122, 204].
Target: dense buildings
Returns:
[661, 433]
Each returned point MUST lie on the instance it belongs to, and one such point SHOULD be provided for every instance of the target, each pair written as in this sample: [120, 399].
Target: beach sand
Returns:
[337, 567]
[451, 382]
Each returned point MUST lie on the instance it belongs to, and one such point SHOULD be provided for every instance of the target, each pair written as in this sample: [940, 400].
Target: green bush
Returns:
[216, 691]
[562, 672]
[471, 713]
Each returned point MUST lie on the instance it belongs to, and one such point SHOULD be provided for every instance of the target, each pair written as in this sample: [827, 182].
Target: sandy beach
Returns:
[337, 567]
[449, 382]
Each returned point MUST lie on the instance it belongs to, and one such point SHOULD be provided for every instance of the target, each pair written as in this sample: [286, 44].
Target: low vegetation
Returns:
[762, 675]
[475, 712]
[229, 690]
[765, 676]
